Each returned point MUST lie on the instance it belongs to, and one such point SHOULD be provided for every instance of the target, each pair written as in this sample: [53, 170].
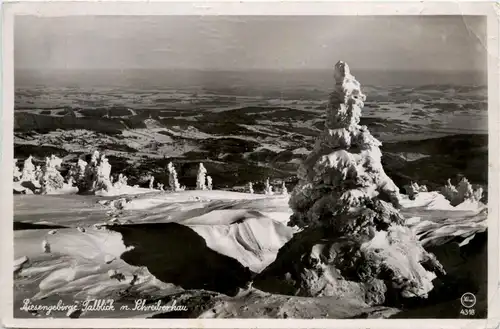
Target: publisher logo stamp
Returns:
[468, 300]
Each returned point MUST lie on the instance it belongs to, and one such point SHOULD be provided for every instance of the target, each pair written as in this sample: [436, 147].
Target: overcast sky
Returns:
[263, 42]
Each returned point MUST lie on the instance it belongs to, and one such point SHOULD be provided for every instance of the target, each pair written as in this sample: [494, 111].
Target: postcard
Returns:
[250, 164]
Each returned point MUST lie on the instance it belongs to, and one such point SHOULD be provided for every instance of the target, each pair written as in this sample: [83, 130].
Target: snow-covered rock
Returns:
[354, 241]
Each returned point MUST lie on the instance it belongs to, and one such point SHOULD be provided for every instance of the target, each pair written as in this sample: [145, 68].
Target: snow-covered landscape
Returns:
[83, 231]
[250, 167]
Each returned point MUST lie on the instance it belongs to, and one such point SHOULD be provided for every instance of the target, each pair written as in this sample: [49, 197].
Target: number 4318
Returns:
[468, 311]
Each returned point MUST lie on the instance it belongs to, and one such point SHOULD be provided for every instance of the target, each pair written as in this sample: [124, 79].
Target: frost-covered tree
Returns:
[209, 183]
[464, 191]
[413, 189]
[201, 178]
[122, 181]
[478, 194]
[97, 174]
[89, 185]
[28, 173]
[77, 173]
[284, 190]
[353, 237]
[172, 178]
[268, 189]
[102, 174]
[52, 180]
[449, 191]
[250, 187]
[151, 182]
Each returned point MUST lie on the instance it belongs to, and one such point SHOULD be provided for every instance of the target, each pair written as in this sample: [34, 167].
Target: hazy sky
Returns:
[238, 42]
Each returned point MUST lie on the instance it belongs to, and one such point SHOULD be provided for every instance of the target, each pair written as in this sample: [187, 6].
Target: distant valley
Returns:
[246, 136]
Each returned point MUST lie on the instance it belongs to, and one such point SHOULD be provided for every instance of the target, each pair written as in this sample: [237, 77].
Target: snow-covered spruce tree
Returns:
[28, 173]
[90, 180]
[97, 174]
[77, 173]
[464, 191]
[172, 178]
[353, 242]
[52, 180]
[250, 188]
[268, 189]
[413, 189]
[449, 191]
[209, 183]
[104, 174]
[122, 181]
[284, 190]
[201, 178]
[478, 194]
